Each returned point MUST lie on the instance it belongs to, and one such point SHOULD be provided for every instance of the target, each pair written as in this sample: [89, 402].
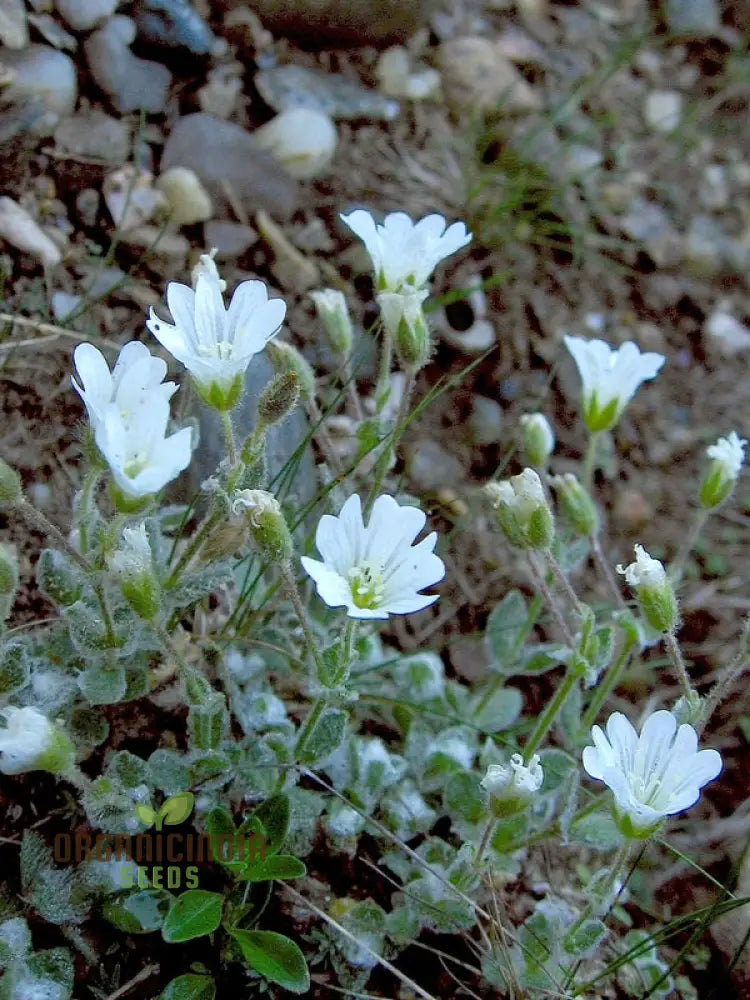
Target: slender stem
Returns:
[193, 547]
[292, 592]
[76, 777]
[551, 601]
[607, 684]
[312, 720]
[564, 582]
[589, 459]
[37, 520]
[488, 831]
[678, 563]
[90, 482]
[499, 679]
[723, 685]
[383, 384]
[604, 569]
[673, 650]
[348, 640]
[226, 422]
[389, 450]
[619, 863]
[547, 718]
[351, 384]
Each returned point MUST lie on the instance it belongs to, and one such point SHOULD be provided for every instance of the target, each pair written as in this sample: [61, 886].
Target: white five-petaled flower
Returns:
[645, 571]
[405, 253]
[30, 742]
[129, 412]
[375, 570]
[216, 344]
[652, 775]
[727, 456]
[610, 378]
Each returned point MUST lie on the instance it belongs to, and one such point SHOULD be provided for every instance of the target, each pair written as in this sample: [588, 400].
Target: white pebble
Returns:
[302, 140]
[663, 110]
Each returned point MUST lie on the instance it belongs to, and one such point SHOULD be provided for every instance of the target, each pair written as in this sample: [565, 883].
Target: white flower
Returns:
[645, 571]
[30, 742]
[654, 775]
[216, 344]
[610, 378]
[511, 787]
[141, 458]
[730, 452]
[404, 253]
[136, 377]
[375, 571]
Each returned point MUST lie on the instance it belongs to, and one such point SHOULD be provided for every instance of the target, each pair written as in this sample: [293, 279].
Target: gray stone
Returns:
[283, 440]
[174, 24]
[95, 133]
[43, 75]
[131, 83]
[430, 467]
[663, 110]
[231, 239]
[14, 31]
[692, 18]
[82, 15]
[345, 22]
[714, 187]
[334, 95]
[485, 423]
[708, 251]
[727, 333]
[647, 223]
[222, 153]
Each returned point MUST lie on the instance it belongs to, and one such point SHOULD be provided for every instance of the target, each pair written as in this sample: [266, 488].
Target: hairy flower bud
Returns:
[513, 786]
[577, 505]
[286, 358]
[333, 313]
[267, 523]
[404, 319]
[727, 457]
[8, 580]
[653, 589]
[522, 510]
[538, 439]
[133, 566]
[278, 399]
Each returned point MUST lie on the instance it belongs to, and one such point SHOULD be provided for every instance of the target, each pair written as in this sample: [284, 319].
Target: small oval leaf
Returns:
[275, 957]
[193, 914]
[177, 808]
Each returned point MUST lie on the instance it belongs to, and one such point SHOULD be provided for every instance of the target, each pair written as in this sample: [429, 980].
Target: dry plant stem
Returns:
[675, 656]
[589, 459]
[678, 563]
[50, 329]
[389, 450]
[300, 900]
[564, 582]
[551, 600]
[739, 663]
[606, 685]
[603, 565]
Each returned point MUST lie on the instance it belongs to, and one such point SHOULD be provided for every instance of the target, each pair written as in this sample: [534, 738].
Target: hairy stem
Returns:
[604, 569]
[551, 600]
[389, 449]
[677, 567]
[589, 458]
[226, 422]
[564, 582]
[675, 656]
[607, 684]
[724, 684]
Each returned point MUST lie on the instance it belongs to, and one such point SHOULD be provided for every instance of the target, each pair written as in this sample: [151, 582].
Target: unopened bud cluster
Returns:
[522, 510]
[512, 787]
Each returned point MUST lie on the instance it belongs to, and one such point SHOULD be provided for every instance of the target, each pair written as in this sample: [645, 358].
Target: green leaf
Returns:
[36, 859]
[275, 957]
[141, 912]
[277, 866]
[193, 914]
[543, 657]
[463, 796]
[501, 711]
[506, 629]
[325, 737]
[585, 938]
[103, 685]
[190, 987]
[145, 814]
[557, 765]
[177, 808]
[14, 668]
[597, 830]
[271, 819]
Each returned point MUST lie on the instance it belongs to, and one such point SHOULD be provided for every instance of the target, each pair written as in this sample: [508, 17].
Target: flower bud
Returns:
[512, 787]
[30, 742]
[333, 313]
[8, 581]
[577, 505]
[267, 523]
[538, 439]
[522, 510]
[10, 486]
[653, 589]
[285, 358]
[133, 566]
[278, 399]
[688, 709]
[728, 455]
[404, 319]
[207, 265]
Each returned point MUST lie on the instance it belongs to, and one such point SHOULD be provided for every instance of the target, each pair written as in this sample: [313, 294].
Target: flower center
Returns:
[367, 585]
[136, 464]
[221, 351]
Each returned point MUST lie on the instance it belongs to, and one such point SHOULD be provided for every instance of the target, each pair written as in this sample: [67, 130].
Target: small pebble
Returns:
[131, 197]
[24, 233]
[301, 139]
[231, 239]
[82, 15]
[132, 83]
[294, 271]
[477, 76]
[174, 24]
[397, 78]
[430, 467]
[188, 201]
[333, 94]
[727, 333]
[692, 18]
[43, 74]
[714, 188]
[222, 90]
[14, 31]
[63, 304]
[663, 110]
[486, 421]
[94, 133]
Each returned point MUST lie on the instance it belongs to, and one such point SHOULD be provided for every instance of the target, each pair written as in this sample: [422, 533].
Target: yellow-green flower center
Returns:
[136, 464]
[221, 351]
[367, 585]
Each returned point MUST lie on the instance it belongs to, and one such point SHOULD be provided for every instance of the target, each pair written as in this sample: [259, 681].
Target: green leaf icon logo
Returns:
[145, 814]
[177, 808]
